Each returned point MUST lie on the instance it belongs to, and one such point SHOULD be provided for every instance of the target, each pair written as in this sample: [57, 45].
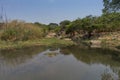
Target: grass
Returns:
[39, 42]
[20, 31]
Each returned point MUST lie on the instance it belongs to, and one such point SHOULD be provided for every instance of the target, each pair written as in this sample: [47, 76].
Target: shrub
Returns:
[16, 31]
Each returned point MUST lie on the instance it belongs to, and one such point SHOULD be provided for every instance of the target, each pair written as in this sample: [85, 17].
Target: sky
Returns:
[49, 11]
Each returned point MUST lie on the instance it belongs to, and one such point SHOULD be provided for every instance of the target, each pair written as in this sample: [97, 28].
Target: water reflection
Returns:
[19, 56]
[68, 63]
[91, 56]
[94, 55]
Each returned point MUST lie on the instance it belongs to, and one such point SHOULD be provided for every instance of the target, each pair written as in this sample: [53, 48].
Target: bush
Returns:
[16, 31]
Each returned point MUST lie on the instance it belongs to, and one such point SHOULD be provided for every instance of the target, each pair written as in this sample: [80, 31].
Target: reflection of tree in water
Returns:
[107, 75]
[96, 56]
[11, 60]
[87, 55]
[90, 55]
[18, 56]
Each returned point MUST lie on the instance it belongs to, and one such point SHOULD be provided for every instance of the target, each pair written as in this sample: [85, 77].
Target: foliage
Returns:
[64, 24]
[111, 6]
[91, 24]
[52, 26]
[18, 30]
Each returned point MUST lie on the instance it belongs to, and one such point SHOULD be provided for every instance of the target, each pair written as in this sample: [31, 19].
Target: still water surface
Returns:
[70, 63]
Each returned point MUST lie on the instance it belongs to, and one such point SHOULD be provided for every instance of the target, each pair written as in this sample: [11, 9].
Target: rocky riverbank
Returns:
[105, 40]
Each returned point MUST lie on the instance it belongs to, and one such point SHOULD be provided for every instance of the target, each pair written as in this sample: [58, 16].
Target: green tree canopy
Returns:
[111, 6]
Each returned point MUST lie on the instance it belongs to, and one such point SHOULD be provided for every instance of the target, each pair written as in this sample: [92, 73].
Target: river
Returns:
[67, 63]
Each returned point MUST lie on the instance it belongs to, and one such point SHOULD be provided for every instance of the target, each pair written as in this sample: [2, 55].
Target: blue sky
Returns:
[47, 11]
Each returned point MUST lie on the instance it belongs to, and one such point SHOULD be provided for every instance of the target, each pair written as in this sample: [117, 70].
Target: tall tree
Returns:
[106, 6]
[111, 6]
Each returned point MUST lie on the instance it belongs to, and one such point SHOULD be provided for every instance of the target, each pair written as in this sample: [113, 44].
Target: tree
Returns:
[53, 25]
[116, 5]
[63, 24]
[111, 6]
[38, 24]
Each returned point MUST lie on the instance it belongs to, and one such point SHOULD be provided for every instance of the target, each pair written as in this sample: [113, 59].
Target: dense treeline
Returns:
[90, 25]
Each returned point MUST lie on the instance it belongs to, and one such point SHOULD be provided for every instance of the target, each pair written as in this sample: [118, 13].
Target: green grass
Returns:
[41, 42]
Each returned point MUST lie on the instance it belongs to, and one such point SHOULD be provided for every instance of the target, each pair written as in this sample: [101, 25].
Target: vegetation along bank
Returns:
[95, 31]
